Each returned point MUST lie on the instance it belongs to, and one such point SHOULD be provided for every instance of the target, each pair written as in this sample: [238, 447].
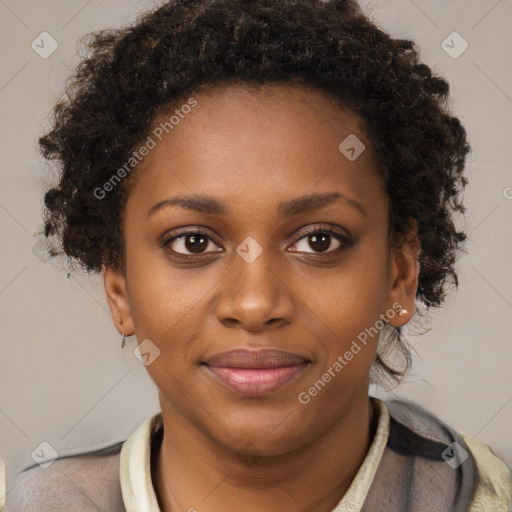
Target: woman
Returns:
[268, 189]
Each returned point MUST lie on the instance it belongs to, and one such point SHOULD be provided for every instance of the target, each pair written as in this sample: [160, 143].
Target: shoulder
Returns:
[438, 448]
[86, 481]
[495, 489]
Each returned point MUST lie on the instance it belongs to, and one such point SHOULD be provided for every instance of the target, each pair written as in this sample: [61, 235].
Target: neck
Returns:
[192, 471]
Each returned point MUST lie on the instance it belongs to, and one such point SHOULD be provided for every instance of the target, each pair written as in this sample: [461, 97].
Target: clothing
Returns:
[405, 469]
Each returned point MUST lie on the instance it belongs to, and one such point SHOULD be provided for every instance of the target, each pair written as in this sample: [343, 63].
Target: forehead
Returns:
[263, 143]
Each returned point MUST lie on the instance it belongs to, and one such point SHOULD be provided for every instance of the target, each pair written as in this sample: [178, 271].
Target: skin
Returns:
[252, 148]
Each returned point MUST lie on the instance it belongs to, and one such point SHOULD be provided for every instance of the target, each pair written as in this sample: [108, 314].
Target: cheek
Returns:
[161, 298]
[347, 341]
[355, 290]
[164, 313]
[348, 305]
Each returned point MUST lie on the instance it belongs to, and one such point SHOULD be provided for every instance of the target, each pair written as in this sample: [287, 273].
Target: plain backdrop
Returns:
[64, 379]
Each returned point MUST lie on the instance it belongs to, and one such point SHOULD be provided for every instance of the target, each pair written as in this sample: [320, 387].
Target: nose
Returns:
[254, 297]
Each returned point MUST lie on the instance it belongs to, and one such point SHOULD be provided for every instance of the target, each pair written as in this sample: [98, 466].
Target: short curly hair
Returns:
[130, 74]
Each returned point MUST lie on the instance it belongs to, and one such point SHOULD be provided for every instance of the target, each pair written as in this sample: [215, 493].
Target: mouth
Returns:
[255, 372]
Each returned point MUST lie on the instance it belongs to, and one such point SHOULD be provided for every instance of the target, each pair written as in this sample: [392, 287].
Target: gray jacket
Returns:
[419, 472]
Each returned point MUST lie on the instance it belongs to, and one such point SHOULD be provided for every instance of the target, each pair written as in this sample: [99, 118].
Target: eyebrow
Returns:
[288, 208]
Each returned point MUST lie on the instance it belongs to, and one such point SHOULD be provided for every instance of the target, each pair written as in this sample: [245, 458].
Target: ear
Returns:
[118, 302]
[403, 272]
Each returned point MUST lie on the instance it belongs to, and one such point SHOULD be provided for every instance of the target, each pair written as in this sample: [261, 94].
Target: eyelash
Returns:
[344, 241]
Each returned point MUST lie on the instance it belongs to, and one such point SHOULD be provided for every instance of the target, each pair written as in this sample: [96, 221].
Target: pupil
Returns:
[197, 243]
[323, 241]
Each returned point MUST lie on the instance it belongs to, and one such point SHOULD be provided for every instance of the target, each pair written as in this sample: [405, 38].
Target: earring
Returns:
[402, 312]
[123, 338]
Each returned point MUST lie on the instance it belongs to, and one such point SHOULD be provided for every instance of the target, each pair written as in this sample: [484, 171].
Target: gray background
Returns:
[64, 379]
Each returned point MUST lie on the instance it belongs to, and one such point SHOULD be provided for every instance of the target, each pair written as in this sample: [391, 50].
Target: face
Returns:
[257, 265]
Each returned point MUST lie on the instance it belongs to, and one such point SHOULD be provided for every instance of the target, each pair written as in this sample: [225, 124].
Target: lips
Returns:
[255, 372]
[267, 358]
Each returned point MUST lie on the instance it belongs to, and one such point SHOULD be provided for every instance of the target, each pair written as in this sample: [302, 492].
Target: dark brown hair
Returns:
[132, 72]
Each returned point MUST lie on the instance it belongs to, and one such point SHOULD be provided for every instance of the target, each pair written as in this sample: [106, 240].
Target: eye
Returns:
[192, 240]
[320, 239]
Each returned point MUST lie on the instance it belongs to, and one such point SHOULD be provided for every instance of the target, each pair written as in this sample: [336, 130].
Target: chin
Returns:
[260, 434]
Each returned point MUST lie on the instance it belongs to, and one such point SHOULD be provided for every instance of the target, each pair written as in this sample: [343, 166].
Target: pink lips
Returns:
[255, 372]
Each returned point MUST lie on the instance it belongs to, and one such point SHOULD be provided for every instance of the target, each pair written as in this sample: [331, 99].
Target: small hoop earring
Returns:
[402, 312]
[123, 338]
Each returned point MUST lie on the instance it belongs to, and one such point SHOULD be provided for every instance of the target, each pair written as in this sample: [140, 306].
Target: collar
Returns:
[135, 466]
